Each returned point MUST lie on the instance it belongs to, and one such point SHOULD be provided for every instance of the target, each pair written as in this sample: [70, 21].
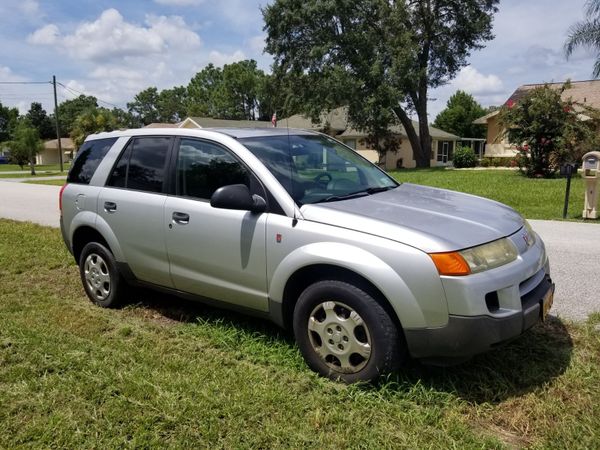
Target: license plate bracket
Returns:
[546, 303]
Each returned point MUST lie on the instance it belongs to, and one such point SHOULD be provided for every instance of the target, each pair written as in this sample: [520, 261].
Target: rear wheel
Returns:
[344, 333]
[101, 279]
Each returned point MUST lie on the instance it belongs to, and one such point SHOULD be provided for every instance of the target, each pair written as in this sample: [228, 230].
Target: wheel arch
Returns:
[308, 275]
[82, 236]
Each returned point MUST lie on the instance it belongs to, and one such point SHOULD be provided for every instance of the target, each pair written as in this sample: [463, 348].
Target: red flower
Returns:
[510, 103]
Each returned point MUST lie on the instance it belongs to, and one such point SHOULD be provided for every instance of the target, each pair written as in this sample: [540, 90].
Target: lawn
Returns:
[166, 373]
[59, 182]
[27, 174]
[534, 198]
[47, 167]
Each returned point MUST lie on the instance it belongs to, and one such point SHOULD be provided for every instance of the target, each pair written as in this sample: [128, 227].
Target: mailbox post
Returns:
[591, 175]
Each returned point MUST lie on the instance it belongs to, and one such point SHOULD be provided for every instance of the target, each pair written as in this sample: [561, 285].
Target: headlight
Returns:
[476, 259]
[488, 256]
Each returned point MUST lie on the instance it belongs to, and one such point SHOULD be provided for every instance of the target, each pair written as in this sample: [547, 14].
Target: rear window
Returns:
[141, 165]
[88, 159]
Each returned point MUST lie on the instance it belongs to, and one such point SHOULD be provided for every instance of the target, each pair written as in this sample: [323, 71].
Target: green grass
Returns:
[59, 182]
[41, 167]
[162, 372]
[27, 174]
[534, 198]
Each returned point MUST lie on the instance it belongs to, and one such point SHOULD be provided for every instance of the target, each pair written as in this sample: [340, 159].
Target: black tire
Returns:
[331, 354]
[107, 294]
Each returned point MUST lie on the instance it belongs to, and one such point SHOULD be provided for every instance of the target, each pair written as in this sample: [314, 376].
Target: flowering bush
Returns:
[546, 130]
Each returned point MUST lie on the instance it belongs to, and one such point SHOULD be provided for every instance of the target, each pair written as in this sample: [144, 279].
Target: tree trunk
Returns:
[32, 164]
[421, 153]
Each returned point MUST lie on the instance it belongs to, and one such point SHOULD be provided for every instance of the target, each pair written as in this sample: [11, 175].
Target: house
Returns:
[584, 92]
[335, 123]
[49, 154]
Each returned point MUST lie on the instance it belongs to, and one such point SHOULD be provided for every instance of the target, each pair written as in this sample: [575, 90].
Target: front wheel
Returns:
[345, 334]
[101, 279]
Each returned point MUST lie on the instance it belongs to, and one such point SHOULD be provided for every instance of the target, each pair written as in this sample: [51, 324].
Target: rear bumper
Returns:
[63, 232]
[465, 336]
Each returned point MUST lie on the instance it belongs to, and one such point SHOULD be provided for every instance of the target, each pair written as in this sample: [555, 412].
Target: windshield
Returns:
[316, 168]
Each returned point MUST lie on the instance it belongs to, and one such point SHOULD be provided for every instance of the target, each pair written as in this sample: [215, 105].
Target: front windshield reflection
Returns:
[316, 168]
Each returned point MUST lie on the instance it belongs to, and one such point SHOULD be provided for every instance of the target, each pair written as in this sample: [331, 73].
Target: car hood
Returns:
[433, 220]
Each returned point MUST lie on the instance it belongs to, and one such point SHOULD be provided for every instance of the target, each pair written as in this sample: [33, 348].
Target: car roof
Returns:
[237, 133]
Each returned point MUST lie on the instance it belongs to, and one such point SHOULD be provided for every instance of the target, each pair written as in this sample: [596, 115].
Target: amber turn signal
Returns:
[452, 264]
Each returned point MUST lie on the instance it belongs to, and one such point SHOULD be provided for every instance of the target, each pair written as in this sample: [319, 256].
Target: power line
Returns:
[25, 82]
[75, 91]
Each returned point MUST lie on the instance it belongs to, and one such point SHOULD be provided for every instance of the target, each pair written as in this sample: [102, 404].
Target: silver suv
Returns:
[294, 226]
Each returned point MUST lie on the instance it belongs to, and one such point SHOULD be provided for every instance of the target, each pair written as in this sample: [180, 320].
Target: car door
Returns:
[132, 205]
[215, 253]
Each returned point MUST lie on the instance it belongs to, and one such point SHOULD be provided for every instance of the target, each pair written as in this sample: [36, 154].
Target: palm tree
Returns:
[587, 33]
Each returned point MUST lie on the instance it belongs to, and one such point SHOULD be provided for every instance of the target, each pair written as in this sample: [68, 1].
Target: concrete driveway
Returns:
[573, 247]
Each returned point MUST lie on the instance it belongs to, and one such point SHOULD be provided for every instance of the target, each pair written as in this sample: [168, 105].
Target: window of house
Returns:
[350, 143]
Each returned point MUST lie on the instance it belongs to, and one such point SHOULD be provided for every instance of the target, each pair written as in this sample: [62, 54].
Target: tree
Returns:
[548, 130]
[25, 144]
[587, 34]
[8, 121]
[233, 92]
[90, 122]
[461, 110]
[374, 55]
[145, 106]
[201, 91]
[171, 104]
[125, 119]
[70, 109]
[39, 120]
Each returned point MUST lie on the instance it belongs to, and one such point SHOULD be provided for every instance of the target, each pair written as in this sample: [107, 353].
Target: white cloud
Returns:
[219, 59]
[472, 81]
[174, 32]
[178, 2]
[257, 43]
[6, 74]
[47, 35]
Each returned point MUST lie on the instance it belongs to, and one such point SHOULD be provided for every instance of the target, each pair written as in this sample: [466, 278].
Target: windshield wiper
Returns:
[375, 190]
[335, 198]
[363, 193]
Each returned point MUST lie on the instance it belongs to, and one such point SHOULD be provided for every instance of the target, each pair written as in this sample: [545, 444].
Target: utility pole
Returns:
[60, 153]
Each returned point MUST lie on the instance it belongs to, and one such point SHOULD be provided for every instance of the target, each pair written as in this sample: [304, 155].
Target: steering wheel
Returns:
[324, 178]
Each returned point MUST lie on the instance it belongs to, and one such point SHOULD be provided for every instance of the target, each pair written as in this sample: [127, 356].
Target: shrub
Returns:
[464, 157]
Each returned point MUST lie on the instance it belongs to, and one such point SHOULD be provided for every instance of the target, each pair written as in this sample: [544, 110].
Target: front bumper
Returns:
[465, 336]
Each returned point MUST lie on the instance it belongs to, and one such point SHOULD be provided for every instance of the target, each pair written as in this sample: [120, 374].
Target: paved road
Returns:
[574, 248]
[30, 202]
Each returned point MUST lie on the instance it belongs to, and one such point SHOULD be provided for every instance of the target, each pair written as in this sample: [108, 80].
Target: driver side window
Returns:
[203, 167]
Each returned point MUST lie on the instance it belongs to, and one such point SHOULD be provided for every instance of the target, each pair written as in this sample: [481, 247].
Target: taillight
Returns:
[60, 194]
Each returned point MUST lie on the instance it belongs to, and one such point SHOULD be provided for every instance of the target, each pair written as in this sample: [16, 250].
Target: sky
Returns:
[113, 49]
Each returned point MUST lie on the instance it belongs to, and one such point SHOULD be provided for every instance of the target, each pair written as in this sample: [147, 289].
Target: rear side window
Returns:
[142, 165]
[88, 159]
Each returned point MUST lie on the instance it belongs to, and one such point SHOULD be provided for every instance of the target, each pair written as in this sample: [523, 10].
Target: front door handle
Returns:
[110, 207]
[181, 218]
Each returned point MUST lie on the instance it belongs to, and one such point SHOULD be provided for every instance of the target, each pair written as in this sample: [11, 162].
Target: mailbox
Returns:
[591, 175]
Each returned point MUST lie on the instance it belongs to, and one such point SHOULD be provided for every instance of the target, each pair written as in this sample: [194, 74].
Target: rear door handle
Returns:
[181, 218]
[110, 207]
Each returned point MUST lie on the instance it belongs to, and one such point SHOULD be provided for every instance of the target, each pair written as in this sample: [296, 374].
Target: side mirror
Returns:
[237, 196]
